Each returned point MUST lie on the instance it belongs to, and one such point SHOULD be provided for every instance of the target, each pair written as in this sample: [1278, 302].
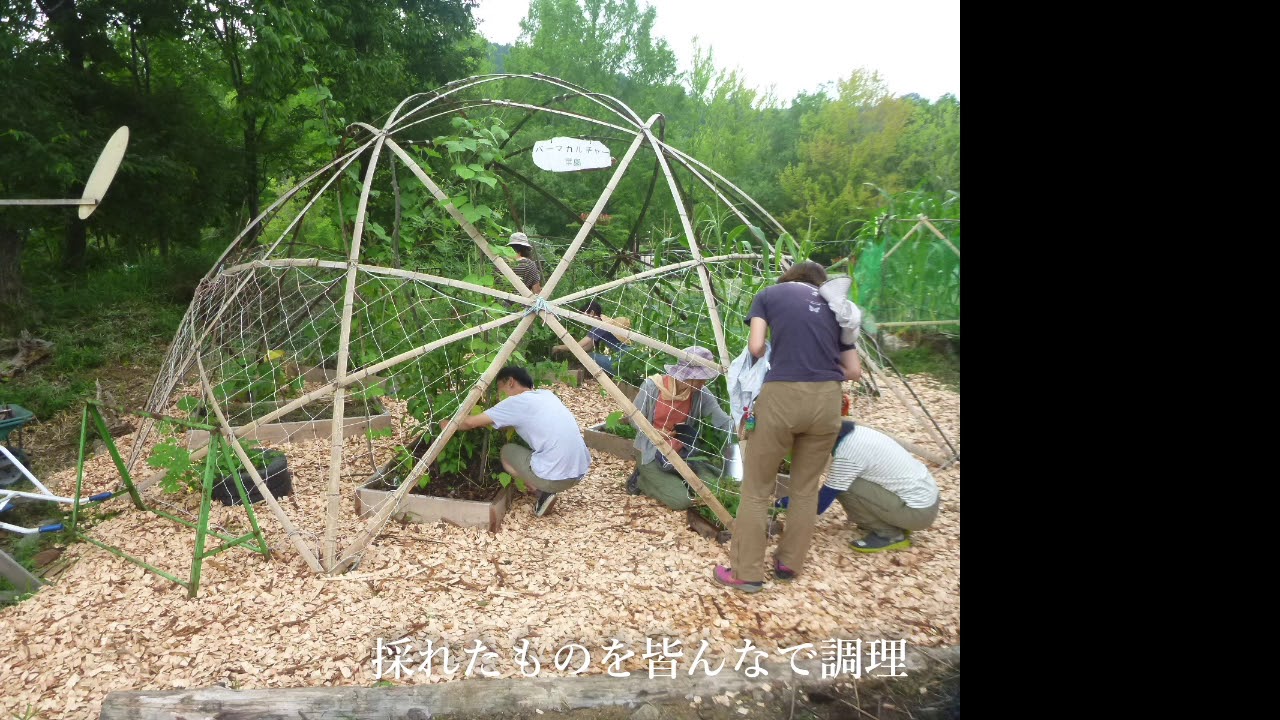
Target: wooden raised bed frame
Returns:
[283, 432]
[428, 509]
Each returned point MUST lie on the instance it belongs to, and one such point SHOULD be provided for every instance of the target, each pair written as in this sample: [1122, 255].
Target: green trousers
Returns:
[668, 488]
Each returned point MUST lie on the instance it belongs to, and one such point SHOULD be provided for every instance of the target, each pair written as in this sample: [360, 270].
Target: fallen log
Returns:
[461, 699]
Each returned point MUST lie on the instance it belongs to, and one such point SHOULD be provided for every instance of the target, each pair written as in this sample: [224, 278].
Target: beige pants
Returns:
[802, 418]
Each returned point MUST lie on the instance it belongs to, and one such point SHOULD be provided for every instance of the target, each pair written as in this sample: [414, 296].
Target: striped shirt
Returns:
[876, 457]
[528, 272]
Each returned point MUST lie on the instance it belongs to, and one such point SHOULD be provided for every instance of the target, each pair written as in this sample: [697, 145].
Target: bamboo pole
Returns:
[924, 423]
[475, 235]
[374, 526]
[334, 491]
[351, 379]
[549, 286]
[941, 237]
[911, 447]
[899, 243]
[688, 161]
[650, 273]
[640, 338]
[913, 323]
[292, 532]
[391, 272]
[717, 328]
[640, 422]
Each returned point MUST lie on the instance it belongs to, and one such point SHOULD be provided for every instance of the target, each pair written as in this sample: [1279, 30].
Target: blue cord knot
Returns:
[539, 305]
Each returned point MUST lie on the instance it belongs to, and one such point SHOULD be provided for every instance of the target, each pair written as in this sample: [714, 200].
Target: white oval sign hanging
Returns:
[104, 171]
[565, 154]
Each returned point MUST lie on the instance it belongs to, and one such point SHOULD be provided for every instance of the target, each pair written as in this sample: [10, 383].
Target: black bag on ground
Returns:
[274, 469]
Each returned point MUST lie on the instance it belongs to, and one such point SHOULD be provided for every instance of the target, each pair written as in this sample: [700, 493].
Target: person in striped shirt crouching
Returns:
[884, 490]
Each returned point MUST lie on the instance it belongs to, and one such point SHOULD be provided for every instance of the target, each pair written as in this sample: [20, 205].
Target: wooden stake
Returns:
[334, 491]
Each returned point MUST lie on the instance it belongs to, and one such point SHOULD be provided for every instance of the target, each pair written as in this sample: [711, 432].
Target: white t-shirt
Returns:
[559, 452]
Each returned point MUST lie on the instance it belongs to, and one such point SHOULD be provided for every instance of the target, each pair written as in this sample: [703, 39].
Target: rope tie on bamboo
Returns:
[539, 305]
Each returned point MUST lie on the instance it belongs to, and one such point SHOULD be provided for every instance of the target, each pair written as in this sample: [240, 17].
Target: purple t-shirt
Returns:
[805, 334]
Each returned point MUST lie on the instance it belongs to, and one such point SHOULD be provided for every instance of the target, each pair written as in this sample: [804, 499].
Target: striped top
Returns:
[528, 272]
[876, 457]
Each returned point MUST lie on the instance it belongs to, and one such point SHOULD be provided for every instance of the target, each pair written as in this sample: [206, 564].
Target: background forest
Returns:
[232, 102]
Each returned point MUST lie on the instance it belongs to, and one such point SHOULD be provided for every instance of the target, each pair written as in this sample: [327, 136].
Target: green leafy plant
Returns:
[260, 379]
[504, 478]
[171, 455]
[615, 426]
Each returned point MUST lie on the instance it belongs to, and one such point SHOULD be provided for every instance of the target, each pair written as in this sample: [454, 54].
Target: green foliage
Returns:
[264, 378]
[172, 456]
[122, 314]
[727, 492]
[614, 426]
[506, 479]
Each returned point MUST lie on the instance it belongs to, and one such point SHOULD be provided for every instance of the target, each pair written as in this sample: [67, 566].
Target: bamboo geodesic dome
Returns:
[390, 264]
[385, 273]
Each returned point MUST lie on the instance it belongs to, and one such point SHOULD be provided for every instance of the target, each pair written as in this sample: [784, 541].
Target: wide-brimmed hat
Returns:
[625, 324]
[520, 238]
[687, 370]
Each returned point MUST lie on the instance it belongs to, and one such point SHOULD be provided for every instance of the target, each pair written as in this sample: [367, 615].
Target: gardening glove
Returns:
[836, 292]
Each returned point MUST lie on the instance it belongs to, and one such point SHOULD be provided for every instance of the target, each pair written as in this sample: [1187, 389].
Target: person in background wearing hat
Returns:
[670, 402]
[797, 411]
[526, 267]
[885, 491]
[599, 337]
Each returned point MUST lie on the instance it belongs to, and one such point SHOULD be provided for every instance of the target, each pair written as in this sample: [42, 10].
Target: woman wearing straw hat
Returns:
[526, 267]
[671, 402]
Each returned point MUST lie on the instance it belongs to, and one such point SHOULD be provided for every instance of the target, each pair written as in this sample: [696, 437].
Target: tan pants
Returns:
[802, 418]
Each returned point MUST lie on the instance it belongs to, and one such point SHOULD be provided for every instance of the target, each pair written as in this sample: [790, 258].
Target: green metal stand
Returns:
[220, 456]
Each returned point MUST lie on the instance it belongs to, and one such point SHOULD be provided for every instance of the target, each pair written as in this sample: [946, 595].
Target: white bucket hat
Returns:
[520, 238]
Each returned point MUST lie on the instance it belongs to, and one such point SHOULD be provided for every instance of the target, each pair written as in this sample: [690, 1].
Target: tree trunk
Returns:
[11, 242]
[74, 249]
[252, 192]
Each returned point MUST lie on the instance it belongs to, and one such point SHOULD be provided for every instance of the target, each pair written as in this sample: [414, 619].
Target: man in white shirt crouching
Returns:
[559, 458]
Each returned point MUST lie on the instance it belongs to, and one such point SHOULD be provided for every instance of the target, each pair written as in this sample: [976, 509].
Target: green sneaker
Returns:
[878, 543]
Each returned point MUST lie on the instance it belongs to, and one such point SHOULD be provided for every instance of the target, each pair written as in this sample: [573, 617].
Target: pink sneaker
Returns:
[724, 576]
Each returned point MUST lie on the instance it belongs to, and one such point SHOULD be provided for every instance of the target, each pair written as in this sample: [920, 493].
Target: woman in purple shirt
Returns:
[797, 411]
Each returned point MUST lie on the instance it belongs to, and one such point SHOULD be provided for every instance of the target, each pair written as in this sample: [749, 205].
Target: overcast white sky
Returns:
[801, 44]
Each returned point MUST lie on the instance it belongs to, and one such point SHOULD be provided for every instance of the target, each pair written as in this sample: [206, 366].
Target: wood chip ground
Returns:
[601, 565]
